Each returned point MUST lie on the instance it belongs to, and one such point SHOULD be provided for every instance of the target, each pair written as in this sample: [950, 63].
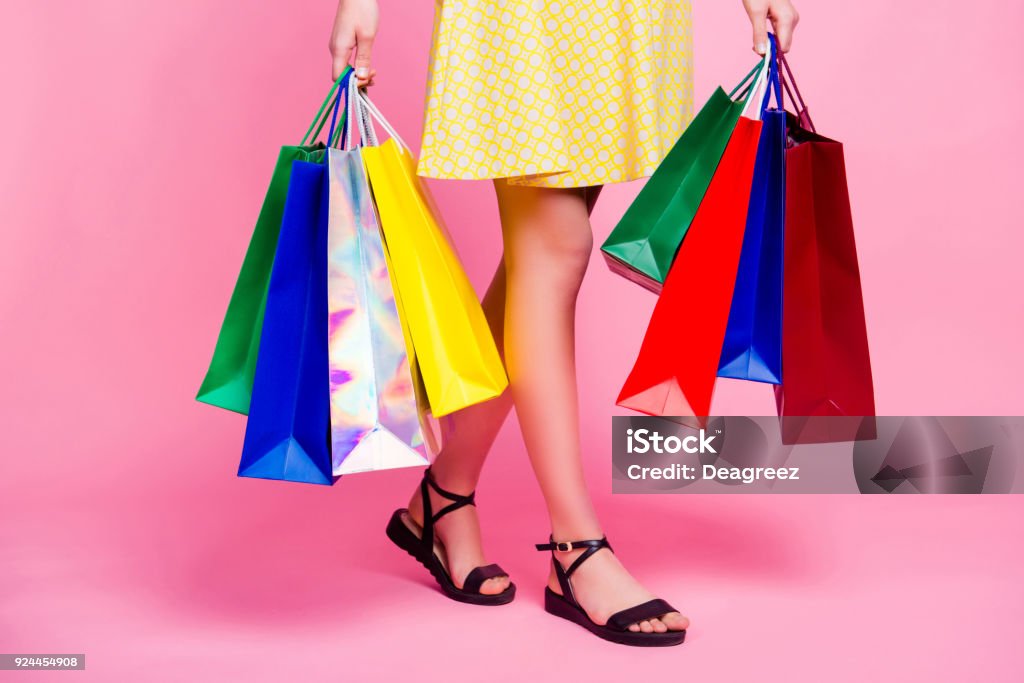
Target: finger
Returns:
[341, 52]
[784, 24]
[364, 48]
[337, 66]
[759, 22]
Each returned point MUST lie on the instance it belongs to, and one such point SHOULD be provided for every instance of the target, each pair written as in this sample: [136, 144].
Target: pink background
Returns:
[139, 138]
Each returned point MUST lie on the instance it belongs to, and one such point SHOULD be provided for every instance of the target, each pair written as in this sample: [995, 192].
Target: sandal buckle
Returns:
[563, 547]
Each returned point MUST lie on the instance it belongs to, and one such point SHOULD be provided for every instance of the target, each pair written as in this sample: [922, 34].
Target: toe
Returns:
[645, 627]
[635, 628]
[494, 586]
[675, 621]
[659, 626]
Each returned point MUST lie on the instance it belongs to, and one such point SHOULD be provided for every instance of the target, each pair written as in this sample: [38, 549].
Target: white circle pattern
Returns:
[556, 93]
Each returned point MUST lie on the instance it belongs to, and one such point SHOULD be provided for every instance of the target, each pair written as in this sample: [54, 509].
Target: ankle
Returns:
[453, 479]
[578, 531]
[437, 501]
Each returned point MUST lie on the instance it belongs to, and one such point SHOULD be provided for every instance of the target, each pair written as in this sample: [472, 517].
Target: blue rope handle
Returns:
[774, 82]
[322, 113]
[342, 89]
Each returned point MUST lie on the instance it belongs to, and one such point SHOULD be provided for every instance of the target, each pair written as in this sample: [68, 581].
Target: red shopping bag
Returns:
[674, 373]
[826, 386]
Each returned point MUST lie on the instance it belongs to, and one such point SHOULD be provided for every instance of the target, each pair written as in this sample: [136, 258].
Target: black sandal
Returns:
[617, 628]
[422, 548]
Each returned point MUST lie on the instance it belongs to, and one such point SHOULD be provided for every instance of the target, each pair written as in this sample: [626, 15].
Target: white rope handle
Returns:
[350, 107]
[756, 96]
[367, 136]
[370, 107]
[366, 128]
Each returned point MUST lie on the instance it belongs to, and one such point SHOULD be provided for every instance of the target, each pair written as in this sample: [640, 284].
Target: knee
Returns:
[568, 249]
[553, 259]
[547, 233]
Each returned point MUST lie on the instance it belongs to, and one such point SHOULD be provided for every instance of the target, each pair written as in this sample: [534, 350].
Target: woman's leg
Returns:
[469, 435]
[548, 242]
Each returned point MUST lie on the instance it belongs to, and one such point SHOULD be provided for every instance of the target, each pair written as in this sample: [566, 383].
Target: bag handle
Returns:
[366, 127]
[323, 112]
[774, 81]
[355, 115]
[346, 133]
[769, 80]
[336, 130]
[753, 82]
[798, 101]
[338, 138]
[360, 112]
[753, 101]
[367, 133]
[745, 84]
[368, 111]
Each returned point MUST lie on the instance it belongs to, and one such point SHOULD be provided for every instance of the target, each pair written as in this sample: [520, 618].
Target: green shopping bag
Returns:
[643, 245]
[228, 381]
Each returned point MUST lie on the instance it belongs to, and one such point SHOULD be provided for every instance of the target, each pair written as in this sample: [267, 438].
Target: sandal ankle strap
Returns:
[468, 499]
[561, 573]
[569, 546]
[429, 517]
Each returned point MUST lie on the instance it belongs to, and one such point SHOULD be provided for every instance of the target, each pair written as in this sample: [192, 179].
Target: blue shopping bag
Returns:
[752, 349]
[287, 436]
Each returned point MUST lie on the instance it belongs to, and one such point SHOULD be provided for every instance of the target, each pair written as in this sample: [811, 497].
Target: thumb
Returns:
[759, 21]
[364, 46]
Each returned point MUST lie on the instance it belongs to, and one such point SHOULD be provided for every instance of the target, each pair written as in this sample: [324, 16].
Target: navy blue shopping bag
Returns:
[752, 348]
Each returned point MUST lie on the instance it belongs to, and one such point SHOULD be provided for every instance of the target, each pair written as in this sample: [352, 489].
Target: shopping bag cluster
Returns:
[352, 325]
[745, 232]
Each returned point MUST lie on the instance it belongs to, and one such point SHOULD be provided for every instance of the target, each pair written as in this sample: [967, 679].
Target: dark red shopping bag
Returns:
[826, 386]
[674, 373]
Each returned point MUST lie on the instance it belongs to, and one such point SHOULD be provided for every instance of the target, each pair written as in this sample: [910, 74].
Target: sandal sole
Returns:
[560, 607]
[404, 538]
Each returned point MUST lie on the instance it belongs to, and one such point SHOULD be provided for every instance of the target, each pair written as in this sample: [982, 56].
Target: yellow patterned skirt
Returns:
[556, 93]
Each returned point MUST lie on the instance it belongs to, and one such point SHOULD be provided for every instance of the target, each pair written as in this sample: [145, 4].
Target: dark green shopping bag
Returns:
[228, 382]
[643, 245]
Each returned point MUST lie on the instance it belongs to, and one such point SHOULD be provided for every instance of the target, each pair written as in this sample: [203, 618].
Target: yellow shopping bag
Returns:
[454, 350]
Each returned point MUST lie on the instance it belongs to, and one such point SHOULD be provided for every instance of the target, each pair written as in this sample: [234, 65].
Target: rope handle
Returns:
[324, 113]
[793, 92]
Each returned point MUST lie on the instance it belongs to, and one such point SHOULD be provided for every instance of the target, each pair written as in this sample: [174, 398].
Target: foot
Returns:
[457, 540]
[602, 587]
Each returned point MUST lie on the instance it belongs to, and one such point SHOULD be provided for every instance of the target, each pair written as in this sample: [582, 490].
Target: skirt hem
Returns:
[542, 180]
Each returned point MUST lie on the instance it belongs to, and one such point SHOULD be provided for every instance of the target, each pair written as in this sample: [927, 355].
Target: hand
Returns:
[355, 26]
[783, 16]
